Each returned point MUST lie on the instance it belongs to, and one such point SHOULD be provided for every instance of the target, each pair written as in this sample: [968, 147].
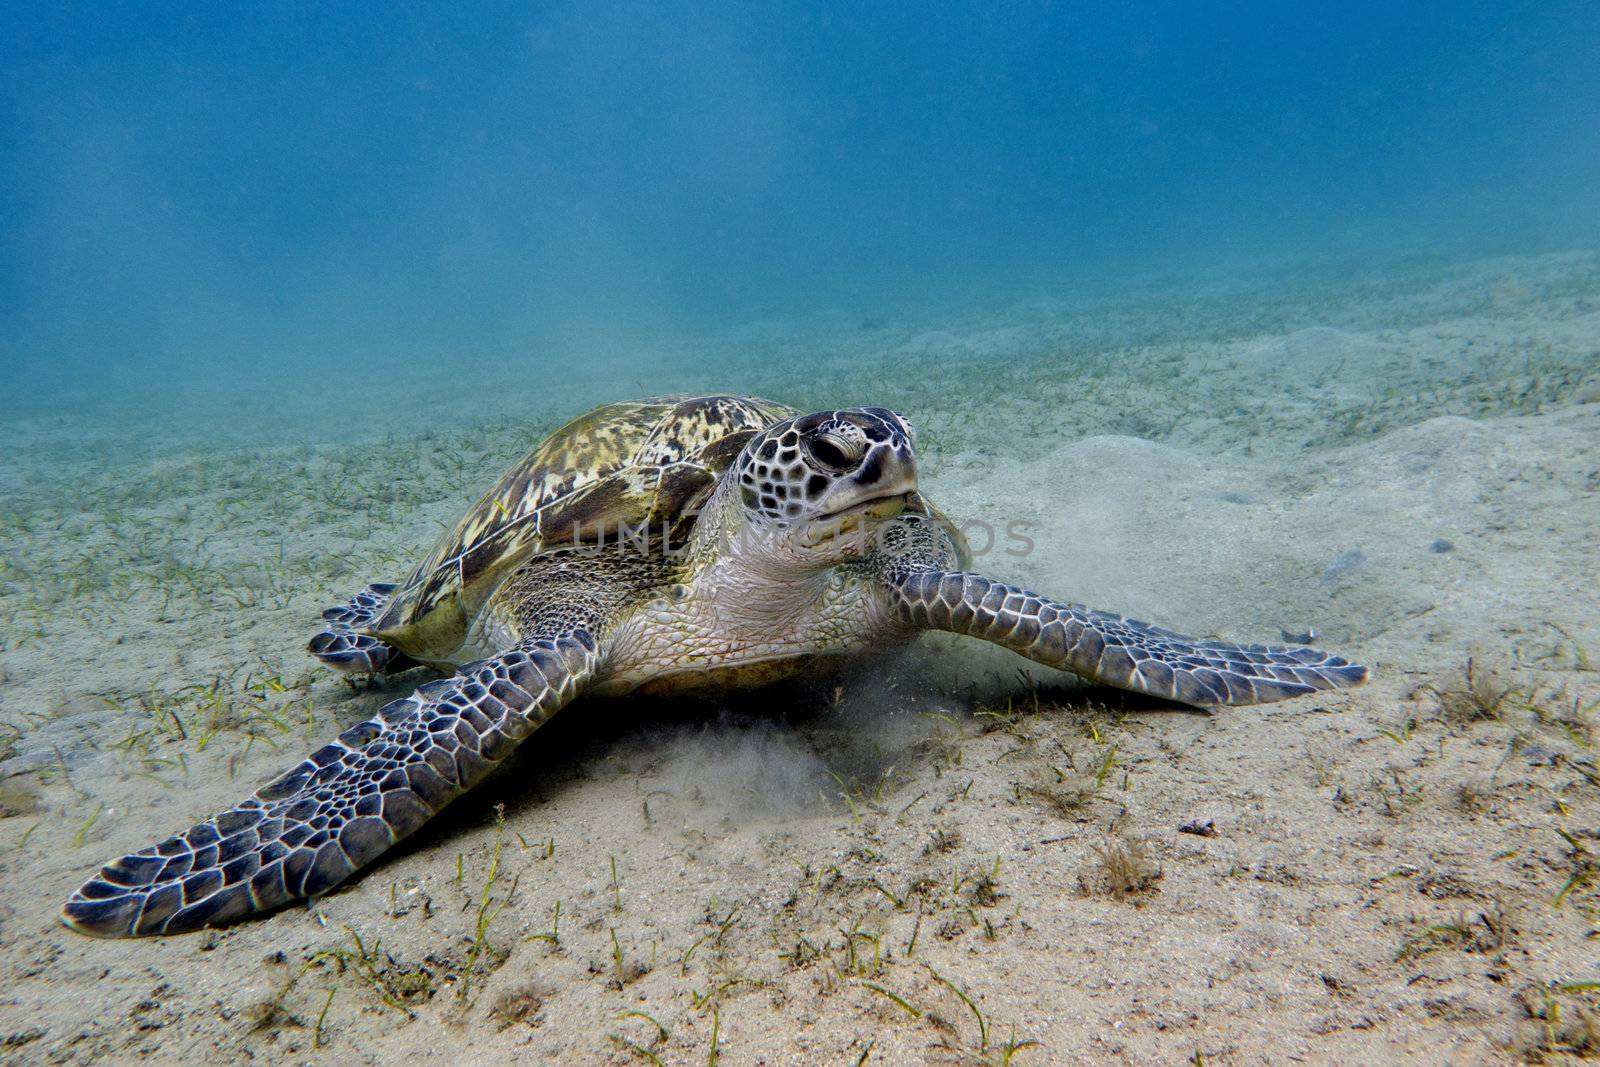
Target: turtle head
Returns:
[820, 485]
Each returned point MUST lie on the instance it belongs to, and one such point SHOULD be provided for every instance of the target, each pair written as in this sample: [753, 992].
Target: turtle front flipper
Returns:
[1114, 650]
[341, 644]
[344, 805]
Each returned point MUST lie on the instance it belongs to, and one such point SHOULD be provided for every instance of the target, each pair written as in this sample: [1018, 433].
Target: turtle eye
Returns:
[835, 452]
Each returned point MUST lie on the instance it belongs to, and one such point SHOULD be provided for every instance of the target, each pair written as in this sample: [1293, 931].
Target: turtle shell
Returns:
[645, 461]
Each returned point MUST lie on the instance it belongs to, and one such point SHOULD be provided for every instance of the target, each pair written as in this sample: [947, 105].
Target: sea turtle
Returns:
[667, 545]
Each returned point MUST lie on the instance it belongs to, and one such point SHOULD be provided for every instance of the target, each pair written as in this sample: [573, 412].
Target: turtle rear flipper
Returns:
[344, 805]
[341, 644]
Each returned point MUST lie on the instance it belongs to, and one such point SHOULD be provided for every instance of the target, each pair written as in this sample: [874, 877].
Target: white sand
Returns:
[1387, 881]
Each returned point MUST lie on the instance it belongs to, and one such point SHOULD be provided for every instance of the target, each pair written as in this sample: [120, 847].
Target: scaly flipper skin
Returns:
[342, 646]
[344, 805]
[1113, 650]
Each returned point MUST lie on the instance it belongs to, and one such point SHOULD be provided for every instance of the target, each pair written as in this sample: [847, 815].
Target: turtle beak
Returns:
[877, 490]
[852, 519]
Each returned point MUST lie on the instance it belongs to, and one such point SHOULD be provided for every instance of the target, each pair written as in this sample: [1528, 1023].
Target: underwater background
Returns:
[1278, 322]
[222, 197]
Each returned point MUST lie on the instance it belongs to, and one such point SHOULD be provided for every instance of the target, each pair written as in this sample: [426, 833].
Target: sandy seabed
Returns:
[956, 857]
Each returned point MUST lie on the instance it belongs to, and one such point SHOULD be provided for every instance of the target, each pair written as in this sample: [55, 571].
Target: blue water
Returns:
[206, 194]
